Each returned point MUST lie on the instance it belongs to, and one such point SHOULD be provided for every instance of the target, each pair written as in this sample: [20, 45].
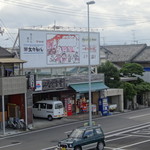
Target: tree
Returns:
[112, 79]
[111, 74]
[129, 90]
[141, 86]
[130, 69]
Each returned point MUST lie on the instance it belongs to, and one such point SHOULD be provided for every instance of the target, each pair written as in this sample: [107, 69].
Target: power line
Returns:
[63, 11]
[44, 7]
[7, 32]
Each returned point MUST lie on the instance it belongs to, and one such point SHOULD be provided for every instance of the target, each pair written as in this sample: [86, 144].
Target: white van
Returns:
[48, 109]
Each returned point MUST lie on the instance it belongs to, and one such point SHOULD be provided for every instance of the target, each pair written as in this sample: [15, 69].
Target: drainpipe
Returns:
[3, 114]
[26, 117]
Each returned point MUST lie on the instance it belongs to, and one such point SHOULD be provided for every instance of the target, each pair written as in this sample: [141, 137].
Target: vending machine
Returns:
[103, 106]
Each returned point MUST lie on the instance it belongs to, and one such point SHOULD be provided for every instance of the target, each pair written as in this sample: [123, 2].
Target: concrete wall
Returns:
[116, 97]
[13, 85]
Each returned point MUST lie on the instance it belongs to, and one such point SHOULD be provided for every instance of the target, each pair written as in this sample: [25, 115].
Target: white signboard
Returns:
[38, 86]
[57, 49]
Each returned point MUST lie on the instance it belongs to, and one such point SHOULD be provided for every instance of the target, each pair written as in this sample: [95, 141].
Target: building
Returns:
[13, 103]
[57, 69]
[135, 53]
[121, 54]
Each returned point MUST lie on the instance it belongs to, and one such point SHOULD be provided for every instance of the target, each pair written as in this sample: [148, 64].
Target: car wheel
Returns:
[50, 118]
[78, 148]
[100, 146]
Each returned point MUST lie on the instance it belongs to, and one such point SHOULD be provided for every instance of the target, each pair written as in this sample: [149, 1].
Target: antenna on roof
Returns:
[133, 34]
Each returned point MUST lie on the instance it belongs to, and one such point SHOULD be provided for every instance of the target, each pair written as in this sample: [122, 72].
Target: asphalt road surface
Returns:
[123, 131]
[134, 138]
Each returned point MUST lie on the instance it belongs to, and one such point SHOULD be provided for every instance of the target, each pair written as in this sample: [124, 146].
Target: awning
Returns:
[9, 70]
[84, 87]
[11, 60]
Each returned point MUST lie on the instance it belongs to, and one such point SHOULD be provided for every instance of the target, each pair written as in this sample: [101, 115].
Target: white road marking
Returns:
[127, 130]
[9, 145]
[135, 144]
[138, 135]
[68, 132]
[67, 124]
[139, 116]
[113, 148]
[119, 138]
[109, 148]
[48, 148]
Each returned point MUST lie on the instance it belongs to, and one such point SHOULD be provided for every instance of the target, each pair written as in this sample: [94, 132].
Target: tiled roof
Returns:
[5, 53]
[144, 56]
[123, 53]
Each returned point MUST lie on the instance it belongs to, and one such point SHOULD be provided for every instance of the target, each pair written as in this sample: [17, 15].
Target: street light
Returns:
[89, 63]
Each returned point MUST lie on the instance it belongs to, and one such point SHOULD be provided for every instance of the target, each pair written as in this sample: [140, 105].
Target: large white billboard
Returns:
[42, 48]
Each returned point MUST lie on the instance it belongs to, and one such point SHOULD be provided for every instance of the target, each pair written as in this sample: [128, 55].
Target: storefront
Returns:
[75, 96]
[82, 95]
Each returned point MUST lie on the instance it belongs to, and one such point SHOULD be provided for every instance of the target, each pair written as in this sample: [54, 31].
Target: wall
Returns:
[116, 96]
[13, 85]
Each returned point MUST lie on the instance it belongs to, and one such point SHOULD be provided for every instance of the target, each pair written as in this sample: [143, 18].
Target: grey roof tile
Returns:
[144, 56]
[123, 53]
[5, 53]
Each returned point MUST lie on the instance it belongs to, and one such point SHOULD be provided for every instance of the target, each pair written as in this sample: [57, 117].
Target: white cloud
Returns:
[117, 18]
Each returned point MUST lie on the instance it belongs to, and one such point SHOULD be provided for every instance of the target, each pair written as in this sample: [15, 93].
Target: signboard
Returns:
[94, 108]
[38, 86]
[51, 84]
[31, 82]
[57, 49]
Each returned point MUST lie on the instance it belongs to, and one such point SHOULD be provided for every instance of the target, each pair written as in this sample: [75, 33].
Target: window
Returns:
[36, 105]
[58, 106]
[98, 131]
[49, 106]
[77, 133]
[43, 106]
[89, 133]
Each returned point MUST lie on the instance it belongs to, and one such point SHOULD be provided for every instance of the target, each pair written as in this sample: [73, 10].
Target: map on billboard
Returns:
[63, 49]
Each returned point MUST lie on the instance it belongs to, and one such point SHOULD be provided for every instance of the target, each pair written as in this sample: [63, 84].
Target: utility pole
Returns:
[89, 63]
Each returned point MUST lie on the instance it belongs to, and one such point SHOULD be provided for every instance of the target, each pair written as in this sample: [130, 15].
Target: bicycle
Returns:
[17, 123]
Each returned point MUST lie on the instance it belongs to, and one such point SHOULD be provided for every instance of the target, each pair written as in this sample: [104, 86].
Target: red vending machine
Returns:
[68, 107]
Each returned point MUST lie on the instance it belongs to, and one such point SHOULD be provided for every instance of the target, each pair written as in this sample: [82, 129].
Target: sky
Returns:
[119, 22]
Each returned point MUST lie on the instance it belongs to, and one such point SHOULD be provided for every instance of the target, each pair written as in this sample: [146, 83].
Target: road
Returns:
[129, 131]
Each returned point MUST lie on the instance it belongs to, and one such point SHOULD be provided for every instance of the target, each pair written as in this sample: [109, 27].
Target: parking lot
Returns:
[132, 140]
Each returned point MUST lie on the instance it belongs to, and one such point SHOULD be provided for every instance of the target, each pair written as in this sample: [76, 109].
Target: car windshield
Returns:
[58, 106]
[77, 133]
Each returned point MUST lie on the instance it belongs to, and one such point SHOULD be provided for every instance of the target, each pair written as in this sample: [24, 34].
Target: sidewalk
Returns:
[43, 123]
[40, 123]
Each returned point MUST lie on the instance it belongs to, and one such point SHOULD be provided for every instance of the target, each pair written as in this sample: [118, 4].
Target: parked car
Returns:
[84, 138]
[48, 109]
